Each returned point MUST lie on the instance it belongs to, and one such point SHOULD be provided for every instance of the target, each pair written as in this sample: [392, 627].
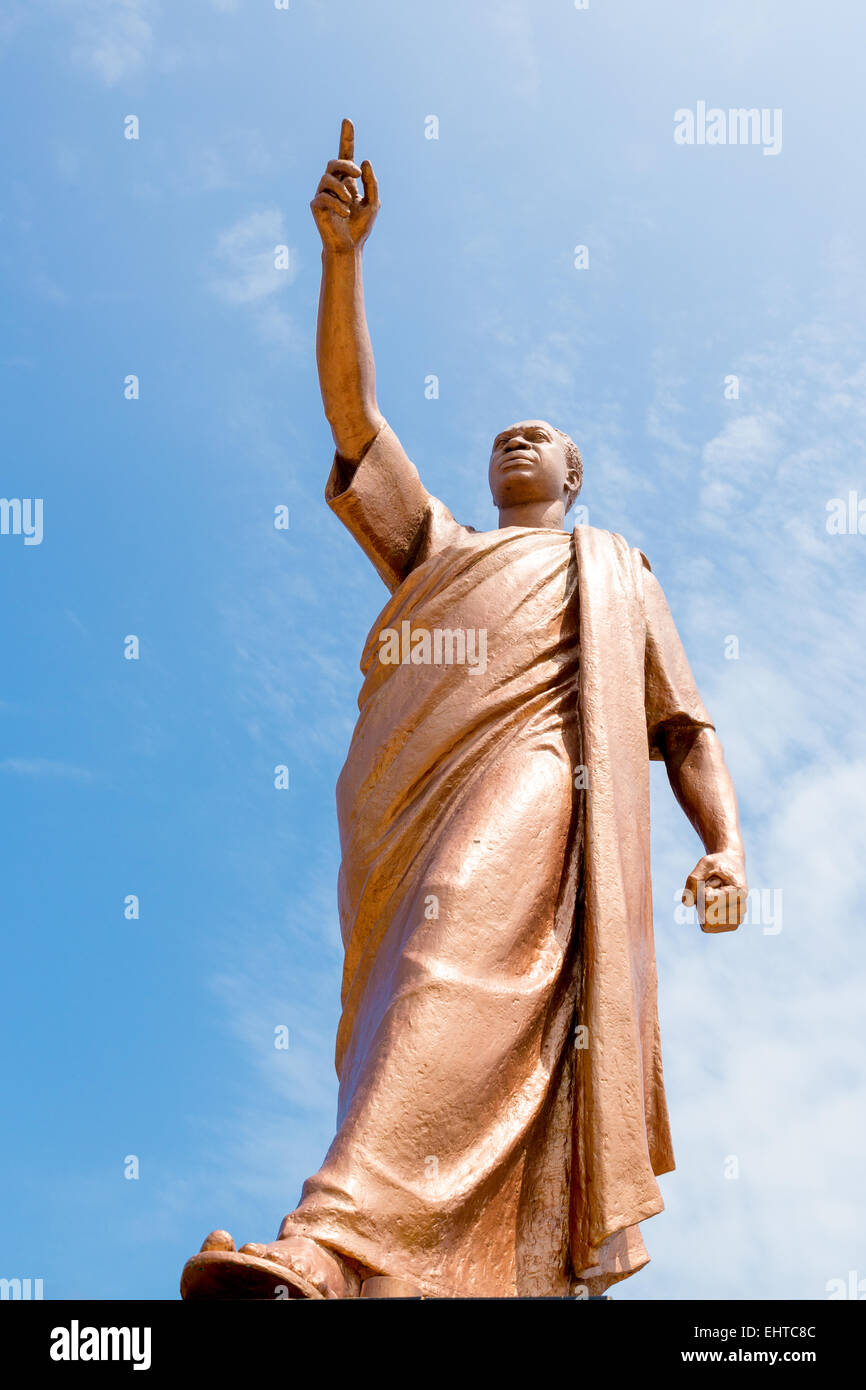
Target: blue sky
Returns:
[154, 257]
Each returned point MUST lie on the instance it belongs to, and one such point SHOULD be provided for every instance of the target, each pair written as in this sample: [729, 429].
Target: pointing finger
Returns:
[347, 140]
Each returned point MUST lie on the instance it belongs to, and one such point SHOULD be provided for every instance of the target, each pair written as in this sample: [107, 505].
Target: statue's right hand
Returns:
[343, 217]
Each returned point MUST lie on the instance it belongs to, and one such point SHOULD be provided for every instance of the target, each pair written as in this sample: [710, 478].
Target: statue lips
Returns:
[516, 458]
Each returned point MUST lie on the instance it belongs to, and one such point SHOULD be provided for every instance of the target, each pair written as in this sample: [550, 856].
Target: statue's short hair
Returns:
[572, 454]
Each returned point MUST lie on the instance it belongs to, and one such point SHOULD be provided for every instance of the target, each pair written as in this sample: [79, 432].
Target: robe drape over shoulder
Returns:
[502, 1113]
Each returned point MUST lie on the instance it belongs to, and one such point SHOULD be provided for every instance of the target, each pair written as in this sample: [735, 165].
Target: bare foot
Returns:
[308, 1269]
[322, 1268]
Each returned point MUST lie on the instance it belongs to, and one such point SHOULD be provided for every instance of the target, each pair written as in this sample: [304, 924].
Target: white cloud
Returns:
[762, 1035]
[736, 459]
[245, 251]
[114, 38]
[765, 1058]
[245, 272]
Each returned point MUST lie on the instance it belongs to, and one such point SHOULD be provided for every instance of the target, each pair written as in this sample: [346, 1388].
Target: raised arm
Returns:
[347, 373]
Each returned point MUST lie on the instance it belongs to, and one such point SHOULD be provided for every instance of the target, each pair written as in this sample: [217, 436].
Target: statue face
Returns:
[528, 463]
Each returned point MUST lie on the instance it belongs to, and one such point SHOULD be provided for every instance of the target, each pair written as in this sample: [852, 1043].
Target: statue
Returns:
[502, 1116]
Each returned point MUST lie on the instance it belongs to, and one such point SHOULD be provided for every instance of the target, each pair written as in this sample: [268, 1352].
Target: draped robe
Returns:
[501, 1115]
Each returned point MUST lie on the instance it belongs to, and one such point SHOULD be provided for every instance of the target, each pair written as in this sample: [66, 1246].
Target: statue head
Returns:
[534, 462]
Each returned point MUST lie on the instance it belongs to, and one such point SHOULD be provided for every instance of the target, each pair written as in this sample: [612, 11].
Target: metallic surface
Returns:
[502, 1115]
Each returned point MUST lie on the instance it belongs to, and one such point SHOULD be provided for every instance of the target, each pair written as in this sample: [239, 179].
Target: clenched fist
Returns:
[343, 217]
[717, 886]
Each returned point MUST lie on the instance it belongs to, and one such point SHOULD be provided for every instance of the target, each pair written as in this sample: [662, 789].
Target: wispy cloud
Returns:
[114, 38]
[769, 1016]
[251, 265]
[45, 767]
[246, 255]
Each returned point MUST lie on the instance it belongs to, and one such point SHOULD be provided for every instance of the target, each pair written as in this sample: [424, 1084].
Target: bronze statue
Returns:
[502, 1113]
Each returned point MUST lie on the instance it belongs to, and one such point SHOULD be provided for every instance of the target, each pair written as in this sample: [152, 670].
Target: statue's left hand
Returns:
[717, 886]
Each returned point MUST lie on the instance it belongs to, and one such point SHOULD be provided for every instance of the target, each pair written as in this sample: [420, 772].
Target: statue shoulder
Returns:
[619, 543]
